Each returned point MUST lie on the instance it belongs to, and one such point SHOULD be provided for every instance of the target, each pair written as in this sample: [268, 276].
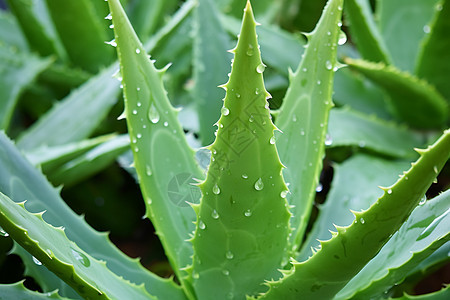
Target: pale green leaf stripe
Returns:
[211, 63]
[347, 127]
[341, 258]
[161, 153]
[303, 117]
[402, 24]
[352, 188]
[433, 62]
[411, 99]
[18, 71]
[425, 231]
[20, 181]
[243, 219]
[19, 291]
[51, 247]
[364, 31]
[90, 162]
[77, 116]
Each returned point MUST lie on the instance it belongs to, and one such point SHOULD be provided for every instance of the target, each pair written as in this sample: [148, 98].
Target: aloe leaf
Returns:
[48, 158]
[443, 294]
[402, 24]
[243, 220]
[51, 247]
[434, 58]
[10, 32]
[303, 117]
[352, 188]
[352, 247]
[32, 16]
[18, 70]
[82, 33]
[20, 181]
[347, 127]
[413, 100]
[354, 90]
[90, 162]
[210, 66]
[364, 31]
[423, 233]
[161, 153]
[281, 50]
[19, 291]
[76, 116]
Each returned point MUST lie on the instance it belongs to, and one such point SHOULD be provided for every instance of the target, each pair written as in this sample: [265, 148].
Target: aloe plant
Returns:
[235, 209]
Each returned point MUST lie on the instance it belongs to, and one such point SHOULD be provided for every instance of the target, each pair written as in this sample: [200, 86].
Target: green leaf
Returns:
[161, 153]
[364, 31]
[51, 247]
[352, 247]
[303, 117]
[403, 24]
[413, 100]
[434, 59]
[443, 294]
[351, 128]
[90, 162]
[10, 32]
[353, 188]
[210, 66]
[423, 233]
[243, 221]
[82, 33]
[76, 116]
[20, 181]
[18, 70]
[19, 291]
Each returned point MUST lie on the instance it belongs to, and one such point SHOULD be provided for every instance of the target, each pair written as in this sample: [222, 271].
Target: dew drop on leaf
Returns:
[37, 261]
[248, 213]
[138, 50]
[108, 17]
[272, 140]
[423, 200]
[153, 114]
[216, 189]
[342, 38]
[80, 257]
[214, 214]
[148, 171]
[201, 225]
[319, 188]
[259, 185]
[328, 65]
[328, 140]
[225, 272]
[3, 232]
[260, 68]
[389, 191]
[229, 255]
[283, 194]
[225, 111]
[362, 220]
[166, 124]
[245, 176]
[250, 50]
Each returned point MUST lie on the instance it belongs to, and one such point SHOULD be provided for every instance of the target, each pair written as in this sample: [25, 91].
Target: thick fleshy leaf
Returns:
[443, 294]
[210, 65]
[403, 24]
[341, 258]
[413, 100]
[20, 181]
[434, 59]
[364, 31]
[51, 247]
[350, 128]
[303, 117]
[19, 291]
[10, 32]
[76, 116]
[17, 70]
[423, 233]
[242, 220]
[161, 153]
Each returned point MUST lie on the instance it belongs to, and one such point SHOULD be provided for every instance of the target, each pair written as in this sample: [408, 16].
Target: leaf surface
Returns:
[19, 291]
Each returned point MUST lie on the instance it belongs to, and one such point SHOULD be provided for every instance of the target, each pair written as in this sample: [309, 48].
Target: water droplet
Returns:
[148, 170]
[201, 225]
[328, 65]
[112, 43]
[238, 95]
[37, 261]
[108, 17]
[328, 32]
[153, 114]
[250, 50]
[81, 257]
[328, 140]
[138, 50]
[423, 200]
[214, 214]
[426, 29]
[319, 82]
[272, 140]
[216, 189]
[284, 193]
[256, 91]
[248, 213]
[135, 112]
[342, 38]
[362, 220]
[259, 185]
[435, 169]
[225, 111]
[294, 118]
[3, 232]
[195, 275]
[245, 176]
[229, 255]
[389, 191]
[139, 135]
[319, 188]
[111, 26]
[302, 132]
[362, 144]
[260, 68]
[225, 272]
